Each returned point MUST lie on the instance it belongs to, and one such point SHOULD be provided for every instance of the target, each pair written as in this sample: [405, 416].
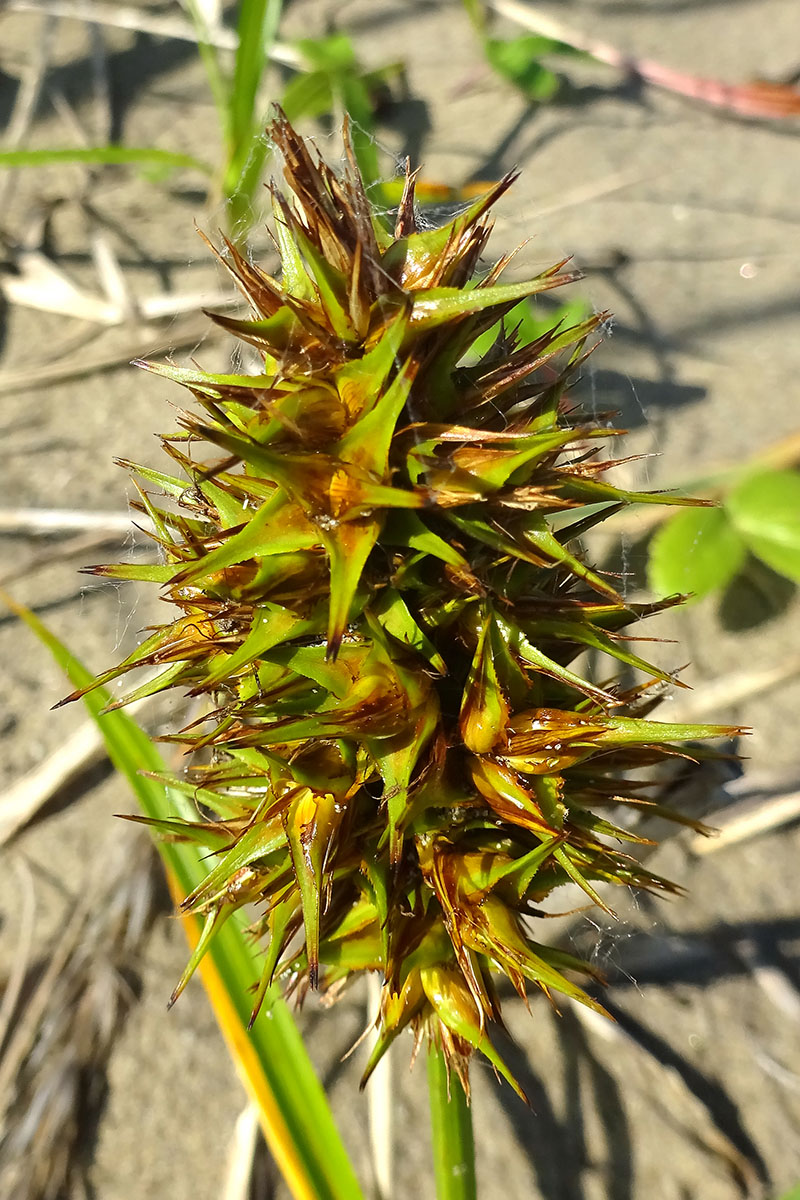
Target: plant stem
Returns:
[451, 1128]
[380, 1102]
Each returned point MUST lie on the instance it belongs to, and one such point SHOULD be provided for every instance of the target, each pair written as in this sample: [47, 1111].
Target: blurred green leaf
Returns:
[517, 61]
[270, 1057]
[333, 53]
[307, 95]
[695, 551]
[534, 320]
[765, 511]
[144, 155]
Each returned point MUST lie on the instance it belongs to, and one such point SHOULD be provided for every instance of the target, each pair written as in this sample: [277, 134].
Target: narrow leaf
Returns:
[120, 155]
[272, 1060]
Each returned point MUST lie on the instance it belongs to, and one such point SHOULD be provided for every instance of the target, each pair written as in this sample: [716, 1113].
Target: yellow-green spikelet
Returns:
[381, 614]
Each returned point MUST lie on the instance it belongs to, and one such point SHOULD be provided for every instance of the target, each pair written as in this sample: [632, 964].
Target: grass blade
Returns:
[451, 1129]
[209, 56]
[258, 26]
[271, 1058]
[247, 147]
[148, 156]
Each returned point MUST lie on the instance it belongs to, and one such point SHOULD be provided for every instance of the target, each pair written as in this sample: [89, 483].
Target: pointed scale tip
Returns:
[406, 221]
[334, 645]
[259, 1003]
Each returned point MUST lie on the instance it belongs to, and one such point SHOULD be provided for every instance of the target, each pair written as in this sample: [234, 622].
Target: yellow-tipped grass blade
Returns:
[270, 1059]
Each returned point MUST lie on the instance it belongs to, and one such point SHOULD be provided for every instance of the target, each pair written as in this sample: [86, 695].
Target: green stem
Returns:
[451, 1128]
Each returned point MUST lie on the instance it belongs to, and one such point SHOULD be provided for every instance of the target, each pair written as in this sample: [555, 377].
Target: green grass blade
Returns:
[271, 1057]
[147, 156]
[244, 185]
[247, 147]
[258, 27]
[210, 59]
[306, 95]
[451, 1129]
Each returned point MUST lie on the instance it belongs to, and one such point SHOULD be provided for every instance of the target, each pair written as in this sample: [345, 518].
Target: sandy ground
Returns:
[696, 1091]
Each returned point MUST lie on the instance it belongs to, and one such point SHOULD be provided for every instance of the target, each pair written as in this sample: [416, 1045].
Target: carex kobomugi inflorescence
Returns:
[380, 595]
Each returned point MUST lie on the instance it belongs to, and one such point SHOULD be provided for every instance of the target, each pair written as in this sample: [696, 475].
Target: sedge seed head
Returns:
[378, 617]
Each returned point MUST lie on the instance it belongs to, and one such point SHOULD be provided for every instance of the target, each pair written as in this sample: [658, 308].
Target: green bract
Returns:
[378, 617]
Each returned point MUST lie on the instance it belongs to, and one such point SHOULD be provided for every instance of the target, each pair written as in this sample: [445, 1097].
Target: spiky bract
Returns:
[381, 593]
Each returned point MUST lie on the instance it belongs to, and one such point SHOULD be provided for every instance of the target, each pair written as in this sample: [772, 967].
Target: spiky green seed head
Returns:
[380, 592]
